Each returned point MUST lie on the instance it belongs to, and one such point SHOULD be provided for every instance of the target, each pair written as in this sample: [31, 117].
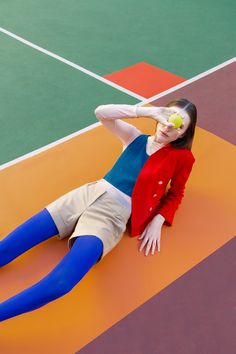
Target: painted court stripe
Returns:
[47, 147]
[78, 67]
[187, 82]
[70, 63]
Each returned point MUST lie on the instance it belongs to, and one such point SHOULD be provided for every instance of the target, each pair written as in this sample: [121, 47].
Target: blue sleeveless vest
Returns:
[126, 169]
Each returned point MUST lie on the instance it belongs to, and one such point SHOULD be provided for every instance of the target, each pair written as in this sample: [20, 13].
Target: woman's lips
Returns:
[164, 134]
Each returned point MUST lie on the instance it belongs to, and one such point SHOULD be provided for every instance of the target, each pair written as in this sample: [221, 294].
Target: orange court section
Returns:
[145, 79]
[125, 278]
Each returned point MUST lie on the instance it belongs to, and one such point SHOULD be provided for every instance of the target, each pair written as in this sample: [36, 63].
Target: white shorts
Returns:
[90, 210]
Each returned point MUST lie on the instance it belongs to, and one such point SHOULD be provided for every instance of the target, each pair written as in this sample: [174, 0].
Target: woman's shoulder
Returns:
[184, 154]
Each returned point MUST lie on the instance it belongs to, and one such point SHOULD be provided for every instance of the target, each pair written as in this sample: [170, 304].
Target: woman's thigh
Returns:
[67, 209]
[106, 219]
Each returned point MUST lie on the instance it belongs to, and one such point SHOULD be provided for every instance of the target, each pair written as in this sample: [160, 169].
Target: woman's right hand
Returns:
[162, 115]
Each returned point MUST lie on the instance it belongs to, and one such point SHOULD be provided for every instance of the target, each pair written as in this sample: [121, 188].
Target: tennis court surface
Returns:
[55, 70]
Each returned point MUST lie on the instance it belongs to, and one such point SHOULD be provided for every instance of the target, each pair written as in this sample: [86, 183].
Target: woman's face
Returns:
[165, 134]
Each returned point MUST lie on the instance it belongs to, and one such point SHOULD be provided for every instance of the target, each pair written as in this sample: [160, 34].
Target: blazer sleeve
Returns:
[170, 202]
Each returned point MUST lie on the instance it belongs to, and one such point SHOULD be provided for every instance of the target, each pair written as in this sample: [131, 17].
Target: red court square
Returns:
[145, 79]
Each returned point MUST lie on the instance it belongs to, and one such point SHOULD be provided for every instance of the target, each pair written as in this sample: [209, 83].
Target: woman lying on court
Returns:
[95, 215]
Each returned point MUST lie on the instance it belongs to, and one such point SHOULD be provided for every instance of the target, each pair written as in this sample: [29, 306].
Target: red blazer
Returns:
[149, 196]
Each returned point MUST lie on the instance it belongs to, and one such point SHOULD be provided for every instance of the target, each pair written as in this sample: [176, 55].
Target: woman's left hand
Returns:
[152, 235]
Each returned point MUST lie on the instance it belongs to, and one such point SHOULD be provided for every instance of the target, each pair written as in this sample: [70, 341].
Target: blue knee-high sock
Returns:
[38, 228]
[85, 252]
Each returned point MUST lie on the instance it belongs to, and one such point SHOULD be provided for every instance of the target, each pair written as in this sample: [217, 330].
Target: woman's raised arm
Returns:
[110, 116]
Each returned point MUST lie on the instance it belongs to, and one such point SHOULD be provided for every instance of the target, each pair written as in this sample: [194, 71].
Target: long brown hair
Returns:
[187, 140]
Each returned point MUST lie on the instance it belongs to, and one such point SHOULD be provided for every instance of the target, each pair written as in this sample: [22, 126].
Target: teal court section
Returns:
[183, 37]
[43, 100]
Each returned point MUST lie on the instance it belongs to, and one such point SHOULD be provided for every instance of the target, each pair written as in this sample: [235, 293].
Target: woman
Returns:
[99, 210]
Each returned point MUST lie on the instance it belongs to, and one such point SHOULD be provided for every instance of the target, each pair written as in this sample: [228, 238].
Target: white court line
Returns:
[49, 146]
[187, 82]
[70, 63]
[120, 88]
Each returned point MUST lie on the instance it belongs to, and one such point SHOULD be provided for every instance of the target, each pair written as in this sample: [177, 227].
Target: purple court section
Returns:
[193, 315]
[214, 97]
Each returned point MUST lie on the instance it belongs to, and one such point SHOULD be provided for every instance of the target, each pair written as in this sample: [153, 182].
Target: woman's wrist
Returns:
[160, 218]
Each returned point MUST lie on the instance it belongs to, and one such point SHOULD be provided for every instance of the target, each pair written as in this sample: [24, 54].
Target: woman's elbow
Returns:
[98, 112]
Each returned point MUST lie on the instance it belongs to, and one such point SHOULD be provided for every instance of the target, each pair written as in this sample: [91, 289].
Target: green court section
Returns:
[183, 37]
[43, 100]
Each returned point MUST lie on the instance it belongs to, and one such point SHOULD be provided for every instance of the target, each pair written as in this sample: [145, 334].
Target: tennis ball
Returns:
[176, 119]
